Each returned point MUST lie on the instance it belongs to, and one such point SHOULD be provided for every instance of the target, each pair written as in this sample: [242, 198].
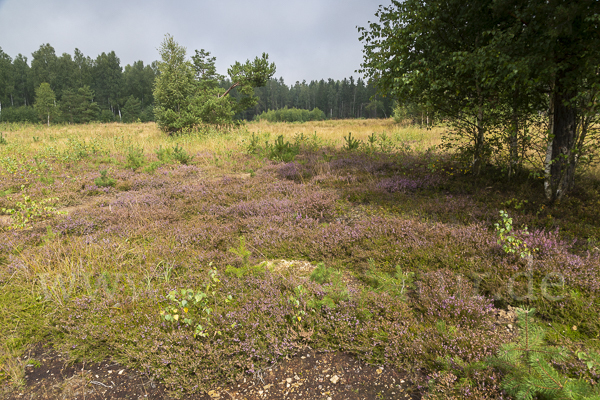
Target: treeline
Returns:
[347, 98]
[84, 89]
[81, 89]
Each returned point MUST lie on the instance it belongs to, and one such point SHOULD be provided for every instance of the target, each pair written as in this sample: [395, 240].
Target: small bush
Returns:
[152, 167]
[397, 284]
[291, 115]
[180, 155]
[135, 158]
[163, 155]
[282, 150]
[107, 116]
[104, 180]
[351, 143]
[19, 114]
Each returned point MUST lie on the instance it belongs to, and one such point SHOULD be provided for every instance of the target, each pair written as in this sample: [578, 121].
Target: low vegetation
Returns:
[165, 254]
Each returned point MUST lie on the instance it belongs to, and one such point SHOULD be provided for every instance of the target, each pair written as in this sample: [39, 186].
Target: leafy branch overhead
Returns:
[187, 93]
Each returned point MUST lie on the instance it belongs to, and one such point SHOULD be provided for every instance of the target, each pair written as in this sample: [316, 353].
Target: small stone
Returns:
[379, 371]
[289, 380]
[121, 372]
[334, 379]
[401, 380]
[509, 326]
[574, 328]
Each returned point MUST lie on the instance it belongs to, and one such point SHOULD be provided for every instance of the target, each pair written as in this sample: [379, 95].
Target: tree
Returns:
[88, 109]
[6, 81]
[188, 94]
[491, 66]
[173, 88]
[64, 75]
[43, 66]
[132, 109]
[83, 70]
[138, 81]
[45, 102]
[108, 80]
[24, 91]
[78, 106]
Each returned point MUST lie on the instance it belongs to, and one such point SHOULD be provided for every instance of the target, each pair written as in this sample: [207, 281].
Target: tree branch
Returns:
[229, 90]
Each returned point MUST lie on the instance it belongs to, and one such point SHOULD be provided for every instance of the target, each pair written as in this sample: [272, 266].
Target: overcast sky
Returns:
[308, 39]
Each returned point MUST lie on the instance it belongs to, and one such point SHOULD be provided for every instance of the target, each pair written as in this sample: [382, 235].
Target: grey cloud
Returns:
[311, 39]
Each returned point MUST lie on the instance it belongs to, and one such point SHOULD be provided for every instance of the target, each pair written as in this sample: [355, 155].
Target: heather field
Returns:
[202, 258]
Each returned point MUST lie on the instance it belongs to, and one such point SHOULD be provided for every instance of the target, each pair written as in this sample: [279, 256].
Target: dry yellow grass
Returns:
[333, 131]
[117, 137]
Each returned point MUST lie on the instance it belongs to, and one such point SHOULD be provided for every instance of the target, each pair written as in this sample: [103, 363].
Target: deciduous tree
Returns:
[45, 102]
[486, 65]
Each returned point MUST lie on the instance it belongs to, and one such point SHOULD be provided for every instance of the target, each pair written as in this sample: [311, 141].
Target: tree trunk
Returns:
[514, 139]
[561, 154]
[478, 151]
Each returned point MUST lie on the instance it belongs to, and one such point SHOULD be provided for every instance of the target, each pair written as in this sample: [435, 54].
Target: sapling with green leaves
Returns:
[195, 308]
[507, 239]
[29, 210]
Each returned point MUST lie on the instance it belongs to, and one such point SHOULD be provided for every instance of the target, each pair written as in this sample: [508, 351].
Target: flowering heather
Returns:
[106, 267]
[404, 184]
[290, 171]
[443, 295]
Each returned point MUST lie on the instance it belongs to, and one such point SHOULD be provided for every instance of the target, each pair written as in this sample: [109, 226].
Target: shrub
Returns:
[135, 157]
[107, 116]
[180, 155]
[351, 143]
[104, 180]
[19, 114]
[396, 284]
[443, 295]
[282, 150]
[291, 115]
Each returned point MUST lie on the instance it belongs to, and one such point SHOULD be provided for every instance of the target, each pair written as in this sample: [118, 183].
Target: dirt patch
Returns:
[308, 375]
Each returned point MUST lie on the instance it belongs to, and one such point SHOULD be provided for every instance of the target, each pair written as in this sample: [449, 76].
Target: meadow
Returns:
[203, 257]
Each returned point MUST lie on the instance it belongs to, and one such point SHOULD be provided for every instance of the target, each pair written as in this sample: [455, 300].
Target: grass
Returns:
[407, 268]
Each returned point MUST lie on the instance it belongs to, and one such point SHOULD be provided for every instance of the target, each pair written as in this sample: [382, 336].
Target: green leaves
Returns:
[510, 243]
[188, 94]
[193, 308]
[28, 211]
[45, 102]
